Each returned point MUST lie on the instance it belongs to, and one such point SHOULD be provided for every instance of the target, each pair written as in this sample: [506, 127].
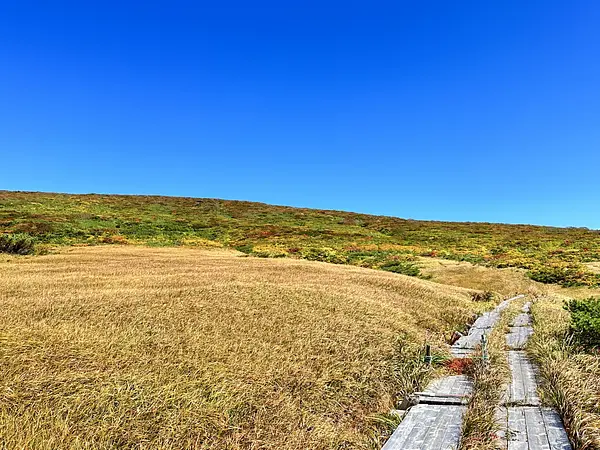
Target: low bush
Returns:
[268, 251]
[324, 254]
[245, 248]
[113, 239]
[585, 320]
[563, 275]
[460, 366]
[17, 244]
[402, 267]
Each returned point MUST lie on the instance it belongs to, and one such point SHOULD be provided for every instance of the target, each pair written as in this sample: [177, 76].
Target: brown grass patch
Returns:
[131, 347]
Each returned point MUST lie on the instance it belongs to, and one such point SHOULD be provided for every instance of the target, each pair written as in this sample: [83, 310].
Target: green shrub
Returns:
[17, 244]
[585, 320]
[563, 275]
[245, 248]
[402, 267]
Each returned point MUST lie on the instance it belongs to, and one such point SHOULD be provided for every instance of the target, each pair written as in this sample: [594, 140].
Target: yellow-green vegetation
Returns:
[549, 255]
[570, 373]
[136, 347]
[490, 379]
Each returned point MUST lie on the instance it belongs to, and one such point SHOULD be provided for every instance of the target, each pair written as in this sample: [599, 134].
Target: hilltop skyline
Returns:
[470, 112]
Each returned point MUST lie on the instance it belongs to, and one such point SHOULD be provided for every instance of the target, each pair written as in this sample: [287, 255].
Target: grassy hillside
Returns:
[171, 348]
[551, 255]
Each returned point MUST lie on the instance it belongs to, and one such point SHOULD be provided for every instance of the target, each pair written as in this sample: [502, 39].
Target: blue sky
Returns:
[465, 110]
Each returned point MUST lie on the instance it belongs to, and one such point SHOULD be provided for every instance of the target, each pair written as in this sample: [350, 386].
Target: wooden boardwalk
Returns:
[466, 345]
[435, 423]
[531, 428]
[524, 423]
[522, 389]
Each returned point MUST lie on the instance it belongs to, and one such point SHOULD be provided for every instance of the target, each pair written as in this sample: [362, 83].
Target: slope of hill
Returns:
[551, 255]
[137, 347]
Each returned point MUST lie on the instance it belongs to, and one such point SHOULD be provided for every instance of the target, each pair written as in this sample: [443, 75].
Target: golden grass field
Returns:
[507, 282]
[135, 347]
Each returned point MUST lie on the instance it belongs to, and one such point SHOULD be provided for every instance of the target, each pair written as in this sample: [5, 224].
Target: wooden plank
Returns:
[458, 352]
[487, 319]
[523, 386]
[428, 427]
[537, 439]
[516, 430]
[454, 385]
[517, 338]
[532, 428]
[522, 320]
[557, 436]
[473, 339]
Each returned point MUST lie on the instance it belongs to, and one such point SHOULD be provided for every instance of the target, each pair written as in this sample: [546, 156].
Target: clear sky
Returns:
[449, 110]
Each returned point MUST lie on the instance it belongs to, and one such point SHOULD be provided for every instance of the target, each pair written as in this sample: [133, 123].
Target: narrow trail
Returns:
[435, 422]
[525, 424]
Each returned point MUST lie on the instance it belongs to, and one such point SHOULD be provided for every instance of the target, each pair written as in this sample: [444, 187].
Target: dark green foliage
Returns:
[402, 267]
[565, 275]
[585, 320]
[17, 244]
[246, 248]
[543, 274]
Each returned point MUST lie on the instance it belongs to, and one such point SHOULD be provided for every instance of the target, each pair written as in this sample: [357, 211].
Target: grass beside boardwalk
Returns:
[570, 374]
[480, 425]
[137, 347]
[564, 256]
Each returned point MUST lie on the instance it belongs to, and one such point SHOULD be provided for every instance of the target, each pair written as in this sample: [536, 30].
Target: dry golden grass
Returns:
[575, 292]
[506, 282]
[571, 376]
[131, 347]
